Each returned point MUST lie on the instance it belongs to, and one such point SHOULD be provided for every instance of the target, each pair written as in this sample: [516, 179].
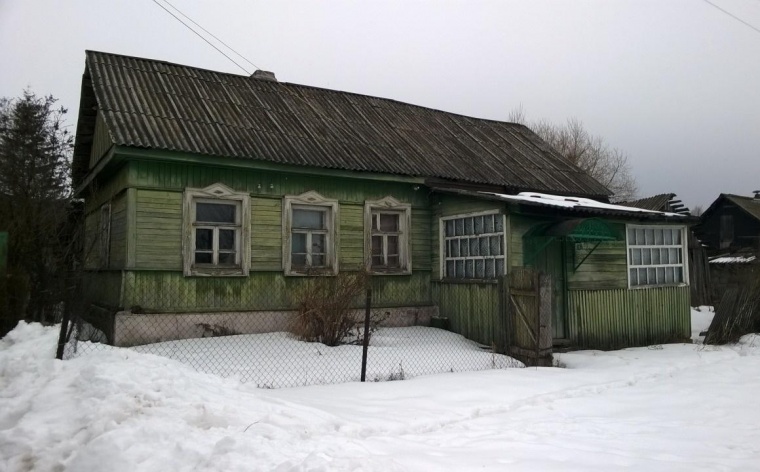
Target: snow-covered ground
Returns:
[663, 408]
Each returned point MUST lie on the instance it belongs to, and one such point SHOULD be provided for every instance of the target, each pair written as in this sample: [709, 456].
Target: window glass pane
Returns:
[317, 260]
[678, 275]
[646, 258]
[318, 243]
[655, 256]
[377, 245]
[639, 236]
[468, 226]
[499, 267]
[634, 278]
[203, 258]
[298, 260]
[308, 219]
[203, 239]
[660, 275]
[464, 248]
[643, 277]
[669, 275]
[673, 255]
[454, 248]
[459, 226]
[490, 268]
[298, 245]
[215, 212]
[226, 239]
[498, 223]
[450, 228]
[495, 243]
[479, 225]
[459, 272]
[649, 236]
[651, 276]
[636, 256]
[667, 236]
[480, 269]
[227, 258]
[389, 223]
[449, 268]
[469, 269]
[631, 236]
[392, 245]
[485, 248]
[676, 236]
[658, 237]
[474, 247]
[488, 225]
[377, 261]
[664, 256]
[393, 261]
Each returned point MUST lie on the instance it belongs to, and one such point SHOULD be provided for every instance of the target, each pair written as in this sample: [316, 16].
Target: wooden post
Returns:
[365, 341]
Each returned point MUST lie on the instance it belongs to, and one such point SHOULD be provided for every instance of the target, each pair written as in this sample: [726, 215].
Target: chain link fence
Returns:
[277, 331]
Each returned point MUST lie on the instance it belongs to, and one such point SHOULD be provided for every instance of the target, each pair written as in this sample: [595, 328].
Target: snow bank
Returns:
[663, 408]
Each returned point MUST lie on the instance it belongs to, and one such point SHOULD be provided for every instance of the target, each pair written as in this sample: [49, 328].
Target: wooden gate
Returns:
[529, 312]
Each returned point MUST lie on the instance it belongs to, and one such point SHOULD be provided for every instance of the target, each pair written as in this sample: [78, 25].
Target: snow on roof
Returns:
[732, 260]
[575, 202]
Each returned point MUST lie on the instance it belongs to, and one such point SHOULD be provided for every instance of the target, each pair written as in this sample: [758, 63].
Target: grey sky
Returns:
[674, 84]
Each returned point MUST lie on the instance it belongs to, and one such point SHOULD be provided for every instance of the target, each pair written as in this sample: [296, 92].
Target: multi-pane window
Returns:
[309, 234]
[217, 231]
[655, 256]
[386, 240]
[309, 238]
[474, 246]
[387, 225]
[217, 224]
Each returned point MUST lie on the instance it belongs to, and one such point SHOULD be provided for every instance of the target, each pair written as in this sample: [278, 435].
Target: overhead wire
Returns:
[212, 35]
[202, 37]
[732, 15]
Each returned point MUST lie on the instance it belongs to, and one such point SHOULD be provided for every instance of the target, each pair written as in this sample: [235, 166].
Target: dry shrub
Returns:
[327, 306]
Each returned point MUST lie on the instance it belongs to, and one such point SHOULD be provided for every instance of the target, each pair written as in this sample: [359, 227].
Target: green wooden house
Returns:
[212, 196]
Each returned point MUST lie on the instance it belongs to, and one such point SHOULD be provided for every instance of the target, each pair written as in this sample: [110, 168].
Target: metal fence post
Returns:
[365, 341]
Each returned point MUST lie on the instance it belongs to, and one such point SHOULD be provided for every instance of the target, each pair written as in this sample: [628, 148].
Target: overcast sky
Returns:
[674, 84]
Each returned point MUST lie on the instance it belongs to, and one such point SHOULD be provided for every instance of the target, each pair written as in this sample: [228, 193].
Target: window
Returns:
[473, 246]
[656, 256]
[217, 231]
[309, 239]
[104, 236]
[387, 223]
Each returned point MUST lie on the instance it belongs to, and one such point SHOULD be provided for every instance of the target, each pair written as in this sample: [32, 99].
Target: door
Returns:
[552, 263]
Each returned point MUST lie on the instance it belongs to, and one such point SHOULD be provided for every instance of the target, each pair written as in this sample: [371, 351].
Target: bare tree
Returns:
[591, 153]
[35, 150]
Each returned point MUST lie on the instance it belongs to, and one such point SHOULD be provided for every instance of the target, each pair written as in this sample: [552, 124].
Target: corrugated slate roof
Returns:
[158, 105]
[749, 204]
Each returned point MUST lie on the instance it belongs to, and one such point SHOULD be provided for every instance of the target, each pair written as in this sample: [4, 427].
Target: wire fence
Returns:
[283, 332]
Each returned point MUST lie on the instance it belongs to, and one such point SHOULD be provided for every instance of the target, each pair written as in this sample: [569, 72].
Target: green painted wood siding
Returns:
[118, 244]
[170, 291]
[266, 234]
[605, 268]
[612, 319]
[101, 141]
[158, 230]
[473, 310]
[91, 249]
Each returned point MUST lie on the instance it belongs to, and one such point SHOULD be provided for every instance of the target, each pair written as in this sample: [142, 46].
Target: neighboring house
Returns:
[211, 194]
[730, 228]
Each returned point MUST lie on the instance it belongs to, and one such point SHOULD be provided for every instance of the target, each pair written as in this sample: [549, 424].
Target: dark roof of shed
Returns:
[158, 105]
[750, 205]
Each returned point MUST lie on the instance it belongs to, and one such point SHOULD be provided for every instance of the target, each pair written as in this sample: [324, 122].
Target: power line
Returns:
[212, 35]
[732, 15]
[201, 36]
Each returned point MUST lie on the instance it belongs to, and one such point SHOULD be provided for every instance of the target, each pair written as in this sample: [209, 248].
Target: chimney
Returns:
[264, 75]
[757, 194]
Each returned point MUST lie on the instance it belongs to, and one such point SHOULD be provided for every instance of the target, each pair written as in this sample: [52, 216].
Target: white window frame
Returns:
[388, 205]
[310, 201]
[443, 240]
[217, 193]
[684, 265]
[104, 235]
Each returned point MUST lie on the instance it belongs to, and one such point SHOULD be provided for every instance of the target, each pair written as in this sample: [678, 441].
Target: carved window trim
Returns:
[222, 193]
[404, 211]
[314, 200]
